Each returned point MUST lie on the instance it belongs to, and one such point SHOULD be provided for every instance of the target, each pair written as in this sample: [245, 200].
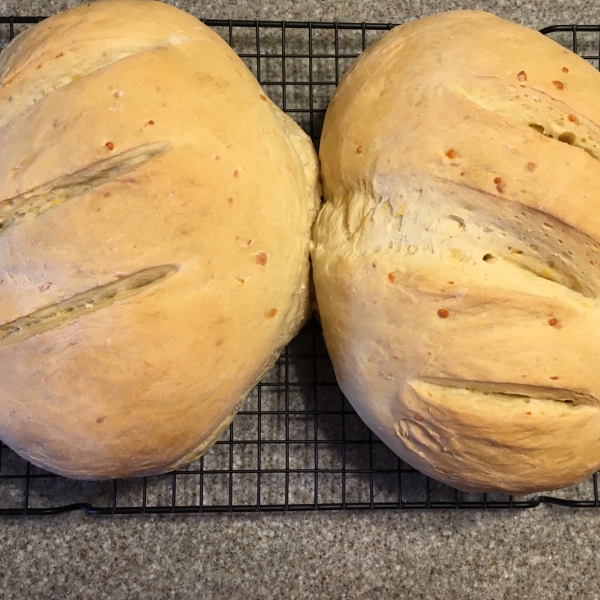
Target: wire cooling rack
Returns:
[297, 444]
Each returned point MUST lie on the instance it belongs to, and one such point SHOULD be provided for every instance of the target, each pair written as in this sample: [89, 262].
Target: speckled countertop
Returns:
[538, 554]
[533, 13]
[534, 555]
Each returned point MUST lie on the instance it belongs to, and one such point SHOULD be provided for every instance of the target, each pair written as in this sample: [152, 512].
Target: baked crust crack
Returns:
[37, 201]
[71, 309]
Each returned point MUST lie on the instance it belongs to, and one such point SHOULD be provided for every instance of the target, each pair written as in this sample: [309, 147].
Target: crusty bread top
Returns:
[474, 84]
[156, 211]
[456, 259]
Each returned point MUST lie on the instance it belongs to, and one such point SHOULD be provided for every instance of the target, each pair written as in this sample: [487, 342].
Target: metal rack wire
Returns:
[296, 444]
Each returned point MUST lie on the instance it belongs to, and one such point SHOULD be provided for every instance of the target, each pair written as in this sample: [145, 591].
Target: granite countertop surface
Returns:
[534, 13]
[539, 554]
[547, 552]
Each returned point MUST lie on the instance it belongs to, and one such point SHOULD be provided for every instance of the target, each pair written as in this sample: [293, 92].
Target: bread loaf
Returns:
[155, 210]
[457, 257]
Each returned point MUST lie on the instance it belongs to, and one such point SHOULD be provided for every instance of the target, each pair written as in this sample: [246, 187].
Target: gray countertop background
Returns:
[537, 555]
[546, 552]
[536, 13]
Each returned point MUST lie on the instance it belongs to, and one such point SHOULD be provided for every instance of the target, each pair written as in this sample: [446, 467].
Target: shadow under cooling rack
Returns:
[296, 444]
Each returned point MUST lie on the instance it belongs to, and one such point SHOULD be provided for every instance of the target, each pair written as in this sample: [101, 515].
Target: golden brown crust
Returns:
[153, 146]
[456, 258]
